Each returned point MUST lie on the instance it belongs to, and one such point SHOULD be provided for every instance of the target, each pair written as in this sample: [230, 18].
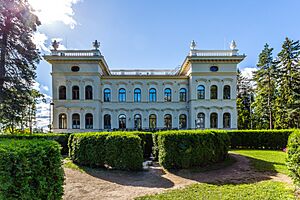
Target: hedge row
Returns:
[293, 157]
[30, 169]
[259, 139]
[185, 149]
[118, 150]
[61, 138]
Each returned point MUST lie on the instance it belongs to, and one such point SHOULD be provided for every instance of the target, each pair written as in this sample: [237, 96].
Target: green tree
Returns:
[265, 78]
[288, 100]
[18, 58]
[244, 101]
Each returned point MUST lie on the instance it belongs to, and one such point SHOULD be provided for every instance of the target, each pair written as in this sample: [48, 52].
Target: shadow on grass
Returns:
[152, 178]
[235, 170]
[239, 172]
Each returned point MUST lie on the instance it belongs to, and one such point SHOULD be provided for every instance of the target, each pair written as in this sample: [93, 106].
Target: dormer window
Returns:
[214, 68]
[75, 68]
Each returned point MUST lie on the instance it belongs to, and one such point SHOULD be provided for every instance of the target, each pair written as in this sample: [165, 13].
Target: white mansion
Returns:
[88, 96]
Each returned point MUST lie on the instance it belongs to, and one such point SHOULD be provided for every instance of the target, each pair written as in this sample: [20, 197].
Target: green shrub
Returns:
[119, 150]
[185, 149]
[88, 148]
[259, 139]
[293, 157]
[61, 138]
[30, 169]
[123, 151]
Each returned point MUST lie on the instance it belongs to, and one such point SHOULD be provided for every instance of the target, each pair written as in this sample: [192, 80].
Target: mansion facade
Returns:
[88, 96]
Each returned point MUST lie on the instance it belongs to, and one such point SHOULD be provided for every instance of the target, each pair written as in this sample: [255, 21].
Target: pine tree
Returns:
[263, 106]
[288, 99]
[244, 101]
[18, 54]
[18, 58]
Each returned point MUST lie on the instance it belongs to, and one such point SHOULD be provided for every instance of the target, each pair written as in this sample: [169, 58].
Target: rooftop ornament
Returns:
[193, 45]
[55, 45]
[96, 44]
[233, 45]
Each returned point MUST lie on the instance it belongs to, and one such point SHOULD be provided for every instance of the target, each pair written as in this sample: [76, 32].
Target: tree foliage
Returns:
[18, 59]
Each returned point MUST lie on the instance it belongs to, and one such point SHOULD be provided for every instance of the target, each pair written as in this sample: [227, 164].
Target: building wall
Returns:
[90, 74]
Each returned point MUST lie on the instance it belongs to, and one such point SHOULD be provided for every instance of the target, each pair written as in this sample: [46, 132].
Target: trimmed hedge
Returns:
[293, 157]
[118, 150]
[259, 139]
[30, 169]
[61, 138]
[185, 149]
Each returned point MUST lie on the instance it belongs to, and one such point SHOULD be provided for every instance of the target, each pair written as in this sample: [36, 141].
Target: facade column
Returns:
[207, 119]
[81, 90]
[82, 119]
[220, 118]
[69, 90]
[69, 119]
[220, 89]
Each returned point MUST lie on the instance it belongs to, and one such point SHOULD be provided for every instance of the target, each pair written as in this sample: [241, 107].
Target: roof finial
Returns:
[96, 44]
[233, 45]
[193, 45]
[55, 45]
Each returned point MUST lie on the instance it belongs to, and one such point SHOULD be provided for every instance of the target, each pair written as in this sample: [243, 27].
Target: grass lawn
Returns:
[262, 190]
[69, 164]
[265, 160]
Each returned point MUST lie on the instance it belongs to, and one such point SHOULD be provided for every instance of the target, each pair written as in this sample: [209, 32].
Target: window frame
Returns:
[122, 95]
[137, 95]
[201, 92]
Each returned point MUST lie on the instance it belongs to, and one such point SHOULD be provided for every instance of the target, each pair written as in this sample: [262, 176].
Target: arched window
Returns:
[122, 95]
[137, 121]
[182, 95]
[168, 121]
[213, 92]
[201, 92]
[200, 122]
[152, 121]
[107, 121]
[106, 95]
[89, 121]
[62, 121]
[182, 121]
[152, 95]
[88, 92]
[213, 120]
[62, 92]
[226, 92]
[226, 120]
[122, 121]
[76, 121]
[137, 95]
[75, 92]
[168, 94]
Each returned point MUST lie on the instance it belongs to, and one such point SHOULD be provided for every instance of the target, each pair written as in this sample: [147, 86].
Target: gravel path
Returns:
[119, 185]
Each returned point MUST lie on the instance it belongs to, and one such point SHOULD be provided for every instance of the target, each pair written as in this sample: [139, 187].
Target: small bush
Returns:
[30, 169]
[259, 139]
[185, 149]
[119, 150]
[293, 157]
[123, 151]
[61, 138]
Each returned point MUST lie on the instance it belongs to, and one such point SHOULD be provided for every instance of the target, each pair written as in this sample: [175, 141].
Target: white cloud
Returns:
[248, 72]
[40, 40]
[51, 11]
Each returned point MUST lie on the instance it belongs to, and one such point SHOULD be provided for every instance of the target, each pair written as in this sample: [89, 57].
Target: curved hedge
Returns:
[118, 150]
[61, 138]
[259, 139]
[185, 149]
[30, 169]
[293, 157]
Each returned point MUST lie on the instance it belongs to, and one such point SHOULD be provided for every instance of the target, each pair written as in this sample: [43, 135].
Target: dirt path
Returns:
[117, 185]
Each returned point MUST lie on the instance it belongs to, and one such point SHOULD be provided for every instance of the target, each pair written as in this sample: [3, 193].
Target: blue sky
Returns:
[156, 34]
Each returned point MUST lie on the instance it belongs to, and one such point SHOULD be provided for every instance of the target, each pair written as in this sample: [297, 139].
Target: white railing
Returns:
[143, 72]
[75, 53]
[221, 53]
